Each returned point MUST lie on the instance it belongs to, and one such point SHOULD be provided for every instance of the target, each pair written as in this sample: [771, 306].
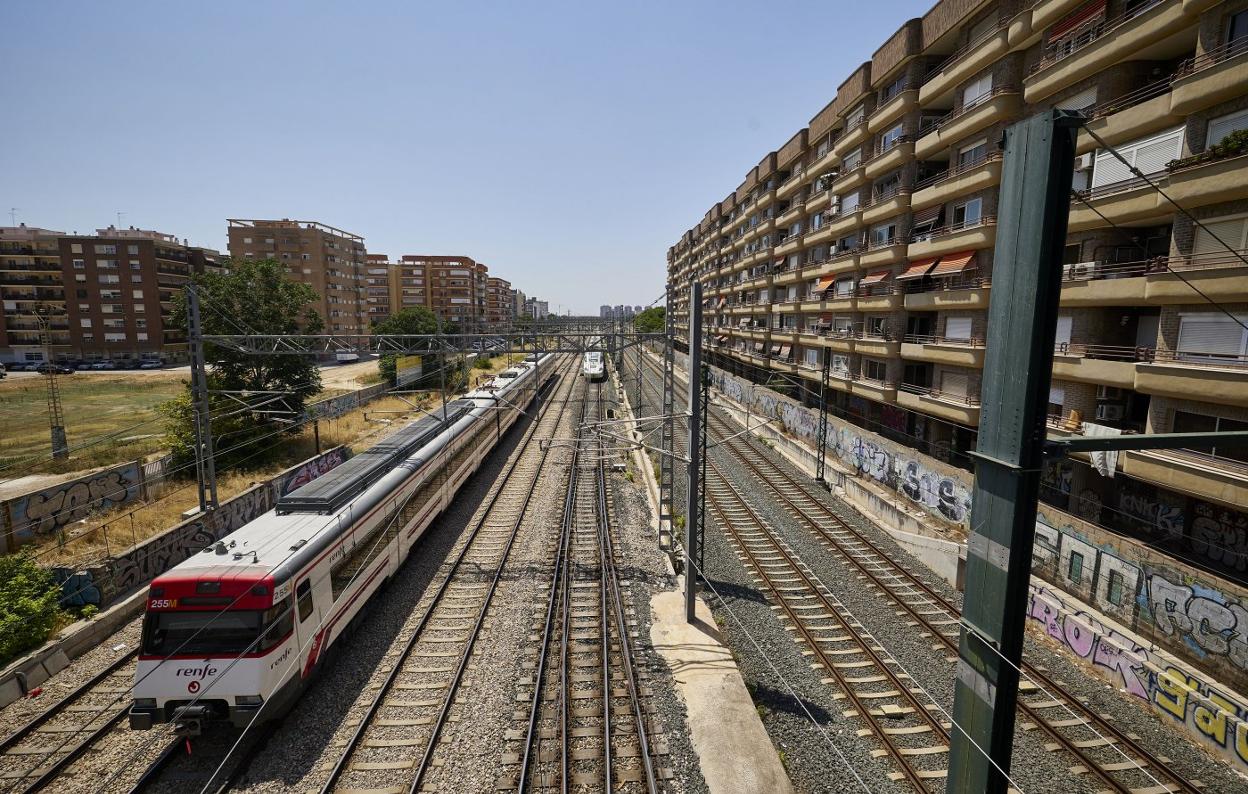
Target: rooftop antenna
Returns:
[13, 215]
[119, 216]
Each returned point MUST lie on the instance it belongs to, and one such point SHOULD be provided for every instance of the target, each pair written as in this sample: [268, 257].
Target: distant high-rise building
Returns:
[104, 296]
[332, 261]
[498, 306]
[605, 312]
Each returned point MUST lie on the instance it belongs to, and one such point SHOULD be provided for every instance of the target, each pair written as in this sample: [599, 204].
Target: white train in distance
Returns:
[234, 633]
[594, 366]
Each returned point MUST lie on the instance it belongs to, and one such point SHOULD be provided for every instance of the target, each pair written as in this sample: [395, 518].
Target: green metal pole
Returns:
[1027, 265]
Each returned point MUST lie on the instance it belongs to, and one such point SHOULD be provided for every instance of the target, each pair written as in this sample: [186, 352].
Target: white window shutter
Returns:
[1209, 334]
[1063, 329]
[1152, 156]
[958, 328]
[1084, 99]
[1057, 395]
[1149, 156]
[953, 384]
[1109, 169]
[1231, 231]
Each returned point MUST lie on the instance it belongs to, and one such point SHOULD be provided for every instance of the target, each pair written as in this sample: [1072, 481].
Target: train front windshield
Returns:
[213, 632]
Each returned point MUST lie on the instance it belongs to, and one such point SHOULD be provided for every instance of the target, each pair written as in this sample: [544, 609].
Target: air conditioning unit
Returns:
[1109, 412]
[1109, 393]
[1083, 162]
[1078, 270]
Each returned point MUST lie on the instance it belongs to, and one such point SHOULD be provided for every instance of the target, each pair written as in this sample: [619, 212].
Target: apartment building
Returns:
[104, 296]
[499, 306]
[536, 309]
[863, 247]
[332, 261]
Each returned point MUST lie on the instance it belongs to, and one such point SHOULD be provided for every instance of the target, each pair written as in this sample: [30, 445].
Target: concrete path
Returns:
[734, 750]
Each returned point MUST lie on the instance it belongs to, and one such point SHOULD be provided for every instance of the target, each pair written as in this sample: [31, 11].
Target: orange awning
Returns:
[953, 264]
[918, 268]
[874, 278]
[824, 283]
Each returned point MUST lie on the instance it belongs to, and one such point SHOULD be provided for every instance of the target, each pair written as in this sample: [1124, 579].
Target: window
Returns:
[107, 264]
[234, 631]
[106, 249]
[840, 364]
[954, 384]
[968, 213]
[852, 160]
[875, 370]
[75, 248]
[843, 288]
[890, 138]
[958, 328]
[133, 250]
[877, 326]
[136, 279]
[811, 356]
[893, 89]
[972, 153]
[1209, 336]
[246, 241]
[849, 202]
[1188, 422]
[141, 336]
[856, 117]
[104, 279]
[80, 277]
[114, 337]
[85, 322]
[1149, 155]
[883, 234]
[1064, 323]
[1223, 126]
[977, 91]
[137, 294]
[1237, 27]
[1114, 593]
[1074, 568]
[304, 595]
[1230, 230]
[136, 264]
[83, 307]
[1080, 101]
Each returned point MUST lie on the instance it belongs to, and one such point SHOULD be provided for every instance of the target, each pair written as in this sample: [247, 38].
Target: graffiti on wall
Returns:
[45, 511]
[1220, 535]
[1208, 713]
[308, 471]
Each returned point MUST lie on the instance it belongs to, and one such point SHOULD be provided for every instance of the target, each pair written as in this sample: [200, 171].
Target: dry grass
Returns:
[94, 406]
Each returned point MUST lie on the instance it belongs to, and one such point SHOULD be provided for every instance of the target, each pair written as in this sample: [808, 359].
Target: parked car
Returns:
[83, 365]
[151, 365]
[59, 369]
[103, 365]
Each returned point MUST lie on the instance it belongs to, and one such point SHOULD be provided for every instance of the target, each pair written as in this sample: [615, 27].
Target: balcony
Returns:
[877, 346]
[1220, 379]
[843, 221]
[964, 64]
[893, 109]
[1211, 77]
[816, 236]
[883, 253]
[1190, 472]
[967, 235]
[853, 138]
[849, 179]
[841, 340]
[999, 104]
[788, 244]
[979, 174]
[967, 353]
[959, 409]
[1106, 365]
[900, 151]
[872, 389]
[1205, 179]
[886, 204]
[1130, 116]
[879, 297]
[795, 212]
[818, 200]
[1098, 43]
[942, 294]
[1221, 276]
[790, 186]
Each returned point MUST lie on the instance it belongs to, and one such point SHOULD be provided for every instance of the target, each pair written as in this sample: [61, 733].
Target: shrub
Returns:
[29, 607]
[482, 362]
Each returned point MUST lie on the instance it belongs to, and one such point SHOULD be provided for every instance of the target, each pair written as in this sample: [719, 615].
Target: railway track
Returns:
[1099, 747]
[46, 746]
[586, 725]
[399, 732]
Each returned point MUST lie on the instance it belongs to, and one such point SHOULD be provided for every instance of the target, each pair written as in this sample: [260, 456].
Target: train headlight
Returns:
[248, 700]
[145, 703]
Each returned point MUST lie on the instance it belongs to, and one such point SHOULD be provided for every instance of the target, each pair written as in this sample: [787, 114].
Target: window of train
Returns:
[304, 594]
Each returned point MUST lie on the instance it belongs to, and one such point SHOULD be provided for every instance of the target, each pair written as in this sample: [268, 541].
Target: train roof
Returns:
[333, 489]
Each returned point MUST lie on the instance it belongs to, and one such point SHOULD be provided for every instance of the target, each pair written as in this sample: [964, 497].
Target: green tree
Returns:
[251, 297]
[29, 609]
[651, 321]
[414, 321]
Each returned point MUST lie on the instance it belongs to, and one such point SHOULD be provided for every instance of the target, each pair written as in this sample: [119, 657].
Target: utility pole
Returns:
[692, 501]
[821, 436]
[1027, 269]
[56, 413]
[667, 461]
[205, 463]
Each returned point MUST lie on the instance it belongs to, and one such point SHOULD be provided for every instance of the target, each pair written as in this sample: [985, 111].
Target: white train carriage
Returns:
[593, 366]
[234, 632]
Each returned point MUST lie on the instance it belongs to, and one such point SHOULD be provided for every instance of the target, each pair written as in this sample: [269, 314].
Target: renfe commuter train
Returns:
[593, 367]
[234, 632]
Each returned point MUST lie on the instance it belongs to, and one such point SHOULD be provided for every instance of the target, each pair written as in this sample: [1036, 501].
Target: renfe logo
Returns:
[196, 672]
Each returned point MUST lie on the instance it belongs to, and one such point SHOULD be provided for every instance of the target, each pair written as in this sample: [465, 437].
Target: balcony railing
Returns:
[958, 170]
[967, 107]
[971, 400]
[1149, 355]
[1088, 33]
[919, 286]
[886, 195]
[1130, 99]
[874, 245]
[882, 150]
[935, 339]
[961, 52]
[953, 228]
[1211, 58]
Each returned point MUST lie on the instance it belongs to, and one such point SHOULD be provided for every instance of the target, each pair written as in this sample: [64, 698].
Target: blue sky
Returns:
[566, 145]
